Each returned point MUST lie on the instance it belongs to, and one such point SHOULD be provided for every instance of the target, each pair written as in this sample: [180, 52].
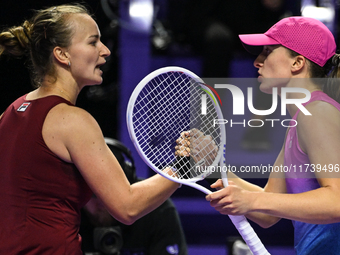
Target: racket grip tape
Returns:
[249, 236]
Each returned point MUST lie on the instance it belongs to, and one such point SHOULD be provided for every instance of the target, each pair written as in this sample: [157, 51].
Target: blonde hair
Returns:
[38, 37]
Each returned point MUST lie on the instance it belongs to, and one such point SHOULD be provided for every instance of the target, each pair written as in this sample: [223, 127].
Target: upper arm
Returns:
[319, 138]
[88, 151]
[74, 135]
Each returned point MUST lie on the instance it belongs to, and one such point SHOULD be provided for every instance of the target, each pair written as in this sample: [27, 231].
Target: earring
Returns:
[69, 63]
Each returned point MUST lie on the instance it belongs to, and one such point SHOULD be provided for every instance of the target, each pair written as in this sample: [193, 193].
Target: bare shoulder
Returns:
[69, 113]
[322, 113]
[323, 126]
[70, 119]
[67, 128]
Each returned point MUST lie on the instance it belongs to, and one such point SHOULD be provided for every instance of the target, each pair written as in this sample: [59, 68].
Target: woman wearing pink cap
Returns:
[294, 50]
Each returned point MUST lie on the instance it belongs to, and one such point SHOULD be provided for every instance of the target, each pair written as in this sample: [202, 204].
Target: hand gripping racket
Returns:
[167, 102]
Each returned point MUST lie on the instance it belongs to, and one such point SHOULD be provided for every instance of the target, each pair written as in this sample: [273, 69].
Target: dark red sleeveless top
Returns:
[40, 195]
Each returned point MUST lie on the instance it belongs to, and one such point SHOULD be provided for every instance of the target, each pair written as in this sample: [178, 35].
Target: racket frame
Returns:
[129, 117]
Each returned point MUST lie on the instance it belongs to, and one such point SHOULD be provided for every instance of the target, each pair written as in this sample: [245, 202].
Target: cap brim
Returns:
[254, 43]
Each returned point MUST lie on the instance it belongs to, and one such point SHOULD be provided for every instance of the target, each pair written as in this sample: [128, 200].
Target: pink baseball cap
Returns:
[306, 36]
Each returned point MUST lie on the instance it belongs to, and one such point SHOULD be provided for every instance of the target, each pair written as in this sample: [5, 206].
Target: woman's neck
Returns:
[47, 88]
[307, 85]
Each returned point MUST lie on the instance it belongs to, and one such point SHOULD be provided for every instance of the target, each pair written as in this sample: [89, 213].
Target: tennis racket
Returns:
[167, 102]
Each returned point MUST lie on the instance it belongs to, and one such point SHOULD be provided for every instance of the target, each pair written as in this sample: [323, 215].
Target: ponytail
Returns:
[332, 86]
[15, 40]
[38, 37]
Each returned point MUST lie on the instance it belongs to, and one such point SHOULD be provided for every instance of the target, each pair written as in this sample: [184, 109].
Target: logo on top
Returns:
[23, 107]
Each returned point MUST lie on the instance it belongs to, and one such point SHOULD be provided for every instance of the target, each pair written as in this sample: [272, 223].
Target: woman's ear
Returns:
[298, 64]
[61, 55]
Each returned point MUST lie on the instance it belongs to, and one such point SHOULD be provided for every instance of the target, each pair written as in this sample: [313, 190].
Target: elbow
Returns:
[127, 220]
[266, 221]
[266, 224]
[132, 215]
[269, 222]
[127, 217]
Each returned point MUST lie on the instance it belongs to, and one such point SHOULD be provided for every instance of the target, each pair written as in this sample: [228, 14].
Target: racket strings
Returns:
[159, 90]
[202, 147]
[168, 105]
[151, 105]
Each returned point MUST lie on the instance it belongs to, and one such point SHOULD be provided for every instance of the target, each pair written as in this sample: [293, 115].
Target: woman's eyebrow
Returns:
[94, 36]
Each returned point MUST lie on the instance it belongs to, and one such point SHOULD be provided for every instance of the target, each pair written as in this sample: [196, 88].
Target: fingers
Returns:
[191, 133]
[183, 145]
[185, 134]
[216, 195]
[182, 141]
[217, 185]
[230, 200]
[195, 133]
[182, 151]
[221, 201]
[197, 145]
[222, 191]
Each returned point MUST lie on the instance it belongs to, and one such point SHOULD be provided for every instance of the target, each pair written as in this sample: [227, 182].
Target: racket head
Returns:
[165, 103]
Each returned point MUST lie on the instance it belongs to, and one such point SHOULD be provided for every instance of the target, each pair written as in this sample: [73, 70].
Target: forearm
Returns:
[242, 183]
[277, 185]
[147, 195]
[264, 220]
[320, 206]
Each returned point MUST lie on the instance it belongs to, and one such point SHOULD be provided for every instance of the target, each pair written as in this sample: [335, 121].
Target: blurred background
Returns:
[200, 35]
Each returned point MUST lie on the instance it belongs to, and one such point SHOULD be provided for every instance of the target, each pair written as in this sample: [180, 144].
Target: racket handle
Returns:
[248, 234]
[245, 229]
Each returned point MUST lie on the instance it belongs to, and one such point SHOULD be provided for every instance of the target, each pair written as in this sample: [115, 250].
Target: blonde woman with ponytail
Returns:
[53, 155]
